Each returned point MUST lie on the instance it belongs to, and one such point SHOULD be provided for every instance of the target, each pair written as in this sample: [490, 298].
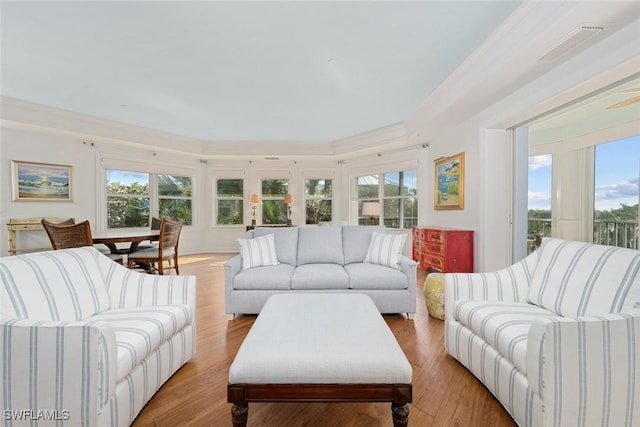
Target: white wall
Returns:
[446, 125]
[223, 238]
[489, 155]
[88, 185]
[90, 159]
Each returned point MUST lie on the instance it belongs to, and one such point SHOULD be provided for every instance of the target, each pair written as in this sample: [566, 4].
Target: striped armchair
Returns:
[86, 342]
[556, 336]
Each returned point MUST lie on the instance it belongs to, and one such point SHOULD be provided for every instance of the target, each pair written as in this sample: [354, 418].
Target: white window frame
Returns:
[153, 169]
[380, 171]
[276, 198]
[241, 175]
[317, 174]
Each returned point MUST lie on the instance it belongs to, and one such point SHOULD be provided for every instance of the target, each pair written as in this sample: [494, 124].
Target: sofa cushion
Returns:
[271, 277]
[584, 279]
[386, 249]
[356, 240]
[53, 285]
[258, 252]
[320, 276]
[373, 276]
[320, 245]
[140, 331]
[504, 325]
[286, 240]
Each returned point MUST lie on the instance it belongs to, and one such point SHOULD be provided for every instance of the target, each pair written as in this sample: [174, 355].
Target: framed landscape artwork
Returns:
[40, 182]
[449, 182]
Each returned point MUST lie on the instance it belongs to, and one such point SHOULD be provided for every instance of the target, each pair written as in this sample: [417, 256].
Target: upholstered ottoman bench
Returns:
[325, 347]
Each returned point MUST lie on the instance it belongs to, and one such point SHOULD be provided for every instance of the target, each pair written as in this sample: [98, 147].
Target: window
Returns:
[539, 200]
[367, 189]
[130, 196]
[174, 197]
[127, 199]
[317, 194]
[396, 192]
[616, 210]
[400, 203]
[230, 194]
[274, 211]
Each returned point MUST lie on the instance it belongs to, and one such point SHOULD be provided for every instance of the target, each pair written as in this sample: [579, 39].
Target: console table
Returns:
[446, 250]
[26, 224]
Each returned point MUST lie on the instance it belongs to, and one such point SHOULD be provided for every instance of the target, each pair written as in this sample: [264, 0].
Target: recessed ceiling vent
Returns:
[570, 42]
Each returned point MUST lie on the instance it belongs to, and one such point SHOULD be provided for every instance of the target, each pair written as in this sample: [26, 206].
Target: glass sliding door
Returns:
[616, 201]
[539, 200]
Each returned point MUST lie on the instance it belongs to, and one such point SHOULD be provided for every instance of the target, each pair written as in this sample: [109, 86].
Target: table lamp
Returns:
[288, 200]
[255, 201]
[371, 209]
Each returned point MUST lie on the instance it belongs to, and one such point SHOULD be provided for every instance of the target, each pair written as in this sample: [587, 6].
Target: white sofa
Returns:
[321, 259]
[85, 341]
[556, 336]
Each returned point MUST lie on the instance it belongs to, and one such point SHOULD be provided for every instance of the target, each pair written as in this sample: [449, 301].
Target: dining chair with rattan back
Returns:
[69, 221]
[155, 223]
[167, 248]
[64, 236]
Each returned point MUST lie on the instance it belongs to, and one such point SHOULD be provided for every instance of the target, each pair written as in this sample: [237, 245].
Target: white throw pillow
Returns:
[385, 249]
[258, 252]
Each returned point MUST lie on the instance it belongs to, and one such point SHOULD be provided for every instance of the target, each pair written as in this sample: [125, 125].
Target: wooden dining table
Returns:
[112, 237]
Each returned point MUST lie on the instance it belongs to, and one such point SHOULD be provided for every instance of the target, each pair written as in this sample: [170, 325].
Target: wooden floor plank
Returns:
[445, 394]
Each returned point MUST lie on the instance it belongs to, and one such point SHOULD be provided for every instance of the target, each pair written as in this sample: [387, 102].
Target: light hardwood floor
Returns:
[444, 392]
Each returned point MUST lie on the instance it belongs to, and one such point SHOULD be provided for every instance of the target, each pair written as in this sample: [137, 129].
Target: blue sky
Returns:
[126, 177]
[616, 181]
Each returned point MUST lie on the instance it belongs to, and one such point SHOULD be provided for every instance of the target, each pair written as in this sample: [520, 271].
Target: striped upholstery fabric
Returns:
[505, 326]
[583, 279]
[52, 285]
[146, 378]
[591, 369]
[57, 365]
[99, 371]
[385, 249]
[501, 377]
[258, 252]
[549, 369]
[140, 331]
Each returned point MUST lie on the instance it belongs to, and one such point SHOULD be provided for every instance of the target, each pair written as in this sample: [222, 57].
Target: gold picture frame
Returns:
[449, 182]
[41, 182]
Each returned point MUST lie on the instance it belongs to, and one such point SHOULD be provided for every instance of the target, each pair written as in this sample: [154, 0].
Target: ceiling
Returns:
[244, 71]
[605, 109]
[305, 71]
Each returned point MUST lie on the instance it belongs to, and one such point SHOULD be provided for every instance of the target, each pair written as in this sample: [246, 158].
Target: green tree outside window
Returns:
[230, 193]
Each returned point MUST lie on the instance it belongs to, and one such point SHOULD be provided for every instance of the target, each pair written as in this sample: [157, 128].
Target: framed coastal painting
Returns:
[449, 182]
[40, 182]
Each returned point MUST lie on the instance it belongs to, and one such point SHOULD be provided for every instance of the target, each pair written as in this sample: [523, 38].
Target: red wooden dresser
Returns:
[447, 250]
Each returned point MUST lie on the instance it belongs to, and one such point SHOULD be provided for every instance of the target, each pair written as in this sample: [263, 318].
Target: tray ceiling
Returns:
[240, 71]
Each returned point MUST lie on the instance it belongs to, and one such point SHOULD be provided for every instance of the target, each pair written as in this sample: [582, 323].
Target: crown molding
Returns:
[258, 149]
[27, 116]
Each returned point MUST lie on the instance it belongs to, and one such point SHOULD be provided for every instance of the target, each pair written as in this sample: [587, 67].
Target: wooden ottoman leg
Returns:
[239, 414]
[400, 415]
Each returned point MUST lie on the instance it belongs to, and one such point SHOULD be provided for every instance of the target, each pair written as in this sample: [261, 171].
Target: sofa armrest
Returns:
[586, 368]
[66, 367]
[232, 267]
[510, 284]
[128, 288]
[410, 268]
